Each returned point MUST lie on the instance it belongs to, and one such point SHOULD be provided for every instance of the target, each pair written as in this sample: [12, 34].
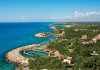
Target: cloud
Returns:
[87, 14]
[65, 17]
[78, 15]
[23, 18]
[54, 17]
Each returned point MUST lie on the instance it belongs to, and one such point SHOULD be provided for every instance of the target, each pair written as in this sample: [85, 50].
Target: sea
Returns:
[18, 34]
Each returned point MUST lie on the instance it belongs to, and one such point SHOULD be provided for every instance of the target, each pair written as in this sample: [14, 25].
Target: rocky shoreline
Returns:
[15, 57]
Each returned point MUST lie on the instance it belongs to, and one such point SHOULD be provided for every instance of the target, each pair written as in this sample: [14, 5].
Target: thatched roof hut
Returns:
[83, 37]
[97, 37]
[57, 54]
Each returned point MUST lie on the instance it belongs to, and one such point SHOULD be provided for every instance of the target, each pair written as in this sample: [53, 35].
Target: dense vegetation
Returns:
[46, 63]
[81, 57]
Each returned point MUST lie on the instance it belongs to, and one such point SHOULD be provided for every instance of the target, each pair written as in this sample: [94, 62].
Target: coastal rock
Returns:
[15, 56]
[41, 35]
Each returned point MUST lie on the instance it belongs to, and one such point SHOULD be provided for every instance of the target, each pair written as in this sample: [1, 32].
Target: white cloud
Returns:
[65, 17]
[78, 15]
[54, 17]
[23, 18]
[70, 17]
[87, 14]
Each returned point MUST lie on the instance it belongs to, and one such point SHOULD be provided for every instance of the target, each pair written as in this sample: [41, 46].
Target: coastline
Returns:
[14, 56]
[24, 64]
[15, 37]
[69, 46]
[18, 58]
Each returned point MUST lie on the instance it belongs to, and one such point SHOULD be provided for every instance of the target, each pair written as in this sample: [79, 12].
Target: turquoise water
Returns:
[13, 35]
[32, 54]
[59, 26]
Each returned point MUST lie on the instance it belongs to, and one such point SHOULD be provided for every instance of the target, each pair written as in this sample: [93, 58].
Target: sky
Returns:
[49, 10]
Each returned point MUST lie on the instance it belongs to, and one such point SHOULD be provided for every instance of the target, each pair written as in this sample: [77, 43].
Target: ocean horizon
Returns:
[18, 34]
